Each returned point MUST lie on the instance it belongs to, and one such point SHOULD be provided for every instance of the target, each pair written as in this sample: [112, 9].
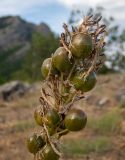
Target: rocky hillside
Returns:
[16, 37]
[16, 33]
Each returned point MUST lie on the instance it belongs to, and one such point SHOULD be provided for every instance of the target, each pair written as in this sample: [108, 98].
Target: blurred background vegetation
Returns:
[16, 62]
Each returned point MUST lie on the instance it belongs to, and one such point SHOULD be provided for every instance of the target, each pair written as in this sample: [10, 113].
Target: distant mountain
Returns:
[14, 31]
[15, 41]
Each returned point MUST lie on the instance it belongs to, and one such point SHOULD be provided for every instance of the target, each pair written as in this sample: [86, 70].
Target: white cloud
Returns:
[18, 6]
[107, 3]
[116, 8]
[112, 5]
[70, 3]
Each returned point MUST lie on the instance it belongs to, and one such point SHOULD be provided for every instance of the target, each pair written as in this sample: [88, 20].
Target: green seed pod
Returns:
[81, 45]
[86, 85]
[46, 66]
[38, 117]
[35, 143]
[75, 120]
[49, 154]
[52, 118]
[51, 130]
[61, 61]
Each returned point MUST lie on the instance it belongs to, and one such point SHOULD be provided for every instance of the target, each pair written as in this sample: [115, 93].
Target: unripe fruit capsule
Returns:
[52, 118]
[84, 85]
[47, 66]
[49, 154]
[75, 120]
[81, 45]
[38, 117]
[35, 143]
[61, 61]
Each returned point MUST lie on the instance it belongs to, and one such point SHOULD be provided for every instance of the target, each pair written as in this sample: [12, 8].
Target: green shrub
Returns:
[106, 124]
[85, 146]
[104, 70]
[122, 104]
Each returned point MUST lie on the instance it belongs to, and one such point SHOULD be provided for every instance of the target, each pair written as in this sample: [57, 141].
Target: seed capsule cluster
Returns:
[68, 73]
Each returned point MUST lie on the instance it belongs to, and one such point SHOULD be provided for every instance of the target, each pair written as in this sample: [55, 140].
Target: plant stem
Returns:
[72, 69]
[62, 133]
[61, 85]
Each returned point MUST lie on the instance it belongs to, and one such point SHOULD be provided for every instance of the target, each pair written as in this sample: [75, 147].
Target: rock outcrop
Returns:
[11, 90]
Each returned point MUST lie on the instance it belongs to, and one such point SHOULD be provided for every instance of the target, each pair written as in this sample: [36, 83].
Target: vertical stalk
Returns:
[72, 69]
[61, 85]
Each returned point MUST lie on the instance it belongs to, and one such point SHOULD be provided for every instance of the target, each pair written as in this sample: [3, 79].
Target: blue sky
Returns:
[55, 12]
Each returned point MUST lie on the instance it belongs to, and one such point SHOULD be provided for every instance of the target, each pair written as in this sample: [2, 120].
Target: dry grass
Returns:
[79, 147]
[107, 124]
[100, 140]
[23, 126]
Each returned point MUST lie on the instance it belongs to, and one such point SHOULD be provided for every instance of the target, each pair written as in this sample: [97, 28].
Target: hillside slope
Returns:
[102, 139]
[15, 41]
[15, 31]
